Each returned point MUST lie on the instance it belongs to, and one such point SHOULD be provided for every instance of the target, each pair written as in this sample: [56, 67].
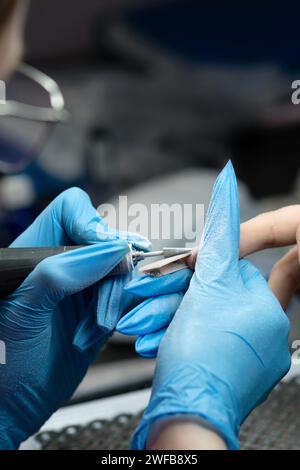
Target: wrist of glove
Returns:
[227, 344]
[204, 396]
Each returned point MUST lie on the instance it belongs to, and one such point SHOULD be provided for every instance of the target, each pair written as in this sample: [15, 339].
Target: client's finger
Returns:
[147, 345]
[269, 230]
[285, 277]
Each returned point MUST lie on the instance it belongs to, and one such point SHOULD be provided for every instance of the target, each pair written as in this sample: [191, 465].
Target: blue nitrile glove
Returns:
[39, 320]
[227, 345]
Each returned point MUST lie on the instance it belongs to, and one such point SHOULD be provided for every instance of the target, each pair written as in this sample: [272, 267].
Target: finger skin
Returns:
[150, 286]
[269, 230]
[65, 274]
[285, 277]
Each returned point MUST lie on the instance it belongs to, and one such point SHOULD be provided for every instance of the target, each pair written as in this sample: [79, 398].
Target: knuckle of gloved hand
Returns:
[249, 271]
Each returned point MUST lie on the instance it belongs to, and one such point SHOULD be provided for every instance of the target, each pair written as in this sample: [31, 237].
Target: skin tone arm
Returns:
[188, 435]
[270, 230]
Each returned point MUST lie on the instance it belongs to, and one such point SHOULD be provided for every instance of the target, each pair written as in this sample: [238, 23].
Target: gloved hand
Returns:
[149, 319]
[227, 345]
[39, 320]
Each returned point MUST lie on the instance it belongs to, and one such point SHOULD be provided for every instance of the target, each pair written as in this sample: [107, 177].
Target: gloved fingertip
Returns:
[87, 334]
[123, 244]
[248, 270]
[143, 246]
[230, 167]
[104, 254]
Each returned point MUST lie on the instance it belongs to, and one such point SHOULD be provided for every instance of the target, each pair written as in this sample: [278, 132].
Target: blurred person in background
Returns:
[12, 20]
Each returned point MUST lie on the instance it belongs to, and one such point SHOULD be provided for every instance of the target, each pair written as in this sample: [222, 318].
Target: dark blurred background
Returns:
[155, 89]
